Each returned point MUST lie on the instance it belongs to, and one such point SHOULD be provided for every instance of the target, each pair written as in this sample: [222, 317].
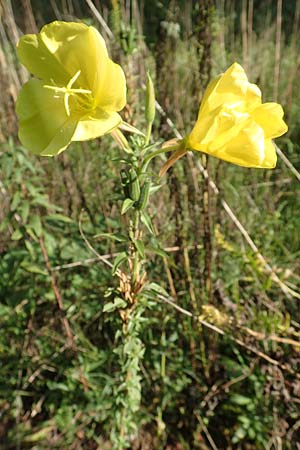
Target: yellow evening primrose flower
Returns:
[233, 124]
[77, 91]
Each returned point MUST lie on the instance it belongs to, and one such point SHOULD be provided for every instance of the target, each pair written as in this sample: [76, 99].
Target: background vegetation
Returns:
[236, 386]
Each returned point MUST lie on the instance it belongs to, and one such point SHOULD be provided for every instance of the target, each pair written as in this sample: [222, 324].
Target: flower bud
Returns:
[150, 101]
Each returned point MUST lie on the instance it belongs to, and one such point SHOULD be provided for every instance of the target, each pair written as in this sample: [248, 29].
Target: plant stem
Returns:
[156, 153]
[131, 350]
[136, 262]
[148, 133]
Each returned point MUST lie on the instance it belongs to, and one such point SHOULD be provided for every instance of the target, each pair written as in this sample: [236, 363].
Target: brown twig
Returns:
[272, 337]
[206, 432]
[277, 49]
[244, 33]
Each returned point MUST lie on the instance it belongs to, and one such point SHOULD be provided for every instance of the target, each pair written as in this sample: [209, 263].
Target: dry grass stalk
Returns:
[277, 50]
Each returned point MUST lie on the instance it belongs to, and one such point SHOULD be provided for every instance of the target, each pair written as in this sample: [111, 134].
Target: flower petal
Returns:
[61, 50]
[270, 117]
[36, 57]
[44, 127]
[231, 88]
[96, 124]
[248, 148]
[111, 86]
[202, 133]
[270, 157]
[216, 129]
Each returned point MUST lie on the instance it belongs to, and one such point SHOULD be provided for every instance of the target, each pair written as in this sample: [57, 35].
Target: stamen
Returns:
[55, 88]
[73, 79]
[67, 91]
[66, 103]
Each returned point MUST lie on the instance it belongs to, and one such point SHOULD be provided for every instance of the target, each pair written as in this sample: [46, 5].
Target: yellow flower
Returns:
[233, 124]
[77, 92]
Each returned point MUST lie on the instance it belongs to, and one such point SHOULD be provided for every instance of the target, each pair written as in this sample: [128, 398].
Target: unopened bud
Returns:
[150, 101]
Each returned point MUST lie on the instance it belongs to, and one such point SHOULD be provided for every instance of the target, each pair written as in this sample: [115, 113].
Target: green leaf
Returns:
[58, 386]
[145, 218]
[155, 188]
[127, 204]
[120, 302]
[36, 225]
[15, 201]
[116, 304]
[109, 307]
[113, 236]
[24, 211]
[42, 200]
[33, 190]
[239, 435]
[251, 433]
[17, 235]
[59, 218]
[157, 289]
[32, 268]
[39, 435]
[158, 251]
[119, 259]
[31, 232]
[139, 245]
[240, 399]
[30, 248]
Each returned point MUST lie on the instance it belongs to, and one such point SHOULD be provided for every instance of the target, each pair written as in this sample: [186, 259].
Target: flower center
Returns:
[77, 100]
